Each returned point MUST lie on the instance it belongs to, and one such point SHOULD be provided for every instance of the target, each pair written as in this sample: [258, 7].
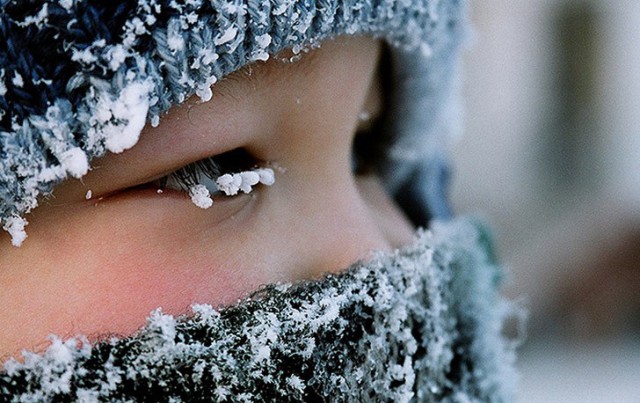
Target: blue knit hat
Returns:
[79, 78]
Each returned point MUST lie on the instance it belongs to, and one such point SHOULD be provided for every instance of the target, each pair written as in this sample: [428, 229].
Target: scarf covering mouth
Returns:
[420, 324]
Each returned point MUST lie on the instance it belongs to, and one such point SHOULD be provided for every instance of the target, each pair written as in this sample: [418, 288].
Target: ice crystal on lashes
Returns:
[244, 181]
[267, 176]
[229, 184]
[200, 196]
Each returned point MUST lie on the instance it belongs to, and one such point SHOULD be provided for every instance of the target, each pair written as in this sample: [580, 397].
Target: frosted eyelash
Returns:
[230, 184]
[206, 177]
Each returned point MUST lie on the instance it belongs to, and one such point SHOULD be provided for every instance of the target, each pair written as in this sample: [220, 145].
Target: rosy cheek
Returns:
[101, 270]
[114, 300]
[119, 297]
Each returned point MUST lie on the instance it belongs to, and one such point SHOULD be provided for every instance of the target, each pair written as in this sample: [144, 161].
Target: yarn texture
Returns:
[420, 324]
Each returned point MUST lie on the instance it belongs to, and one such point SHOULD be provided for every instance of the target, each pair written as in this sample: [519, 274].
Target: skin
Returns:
[99, 266]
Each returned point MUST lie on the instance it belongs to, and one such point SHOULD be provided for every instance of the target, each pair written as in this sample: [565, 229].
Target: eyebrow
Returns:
[278, 67]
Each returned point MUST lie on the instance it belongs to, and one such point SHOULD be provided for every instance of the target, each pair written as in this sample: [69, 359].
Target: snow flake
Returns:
[262, 44]
[3, 86]
[192, 18]
[116, 55]
[15, 227]
[175, 41]
[38, 19]
[138, 25]
[204, 91]
[227, 36]
[17, 80]
[263, 41]
[200, 196]
[205, 94]
[262, 354]
[75, 162]
[221, 393]
[310, 346]
[131, 107]
[208, 56]
[229, 184]
[66, 4]
[249, 179]
[85, 56]
[296, 383]
[244, 181]
[266, 175]
[52, 173]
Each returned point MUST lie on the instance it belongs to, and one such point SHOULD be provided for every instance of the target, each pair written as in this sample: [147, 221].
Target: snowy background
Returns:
[551, 158]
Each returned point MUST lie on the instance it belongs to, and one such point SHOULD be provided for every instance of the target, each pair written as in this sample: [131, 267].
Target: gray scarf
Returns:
[420, 324]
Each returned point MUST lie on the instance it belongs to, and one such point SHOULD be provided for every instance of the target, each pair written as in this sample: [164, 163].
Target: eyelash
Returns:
[206, 171]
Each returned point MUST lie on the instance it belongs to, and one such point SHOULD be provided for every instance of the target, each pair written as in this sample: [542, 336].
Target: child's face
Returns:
[101, 265]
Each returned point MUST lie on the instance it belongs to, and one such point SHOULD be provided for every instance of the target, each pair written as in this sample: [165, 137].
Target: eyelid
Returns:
[218, 175]
[280, 68]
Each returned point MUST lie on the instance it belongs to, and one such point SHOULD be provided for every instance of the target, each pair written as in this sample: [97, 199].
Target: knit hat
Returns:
[79, 78]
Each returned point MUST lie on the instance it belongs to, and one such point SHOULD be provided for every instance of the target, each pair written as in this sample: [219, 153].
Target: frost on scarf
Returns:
[420, 324]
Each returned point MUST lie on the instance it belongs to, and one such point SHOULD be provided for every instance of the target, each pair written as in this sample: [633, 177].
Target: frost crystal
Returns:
[262, 45]
[131, 107]
[175, 42]
[116, 56]
[66, 4]
[75, 162]
[267, 176]
[200, 196]
[248, 180]
[421, 324]
[229, 184]
[17, 80]
[244, 181]
[3, 86]
[15, 227]
[227, 36]
[37, 19]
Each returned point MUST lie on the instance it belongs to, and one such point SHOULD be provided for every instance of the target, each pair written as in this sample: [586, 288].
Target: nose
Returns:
[334, 225]
[352, 234]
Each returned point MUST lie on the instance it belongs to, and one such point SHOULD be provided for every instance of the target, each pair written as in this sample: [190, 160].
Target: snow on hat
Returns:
[79, 78]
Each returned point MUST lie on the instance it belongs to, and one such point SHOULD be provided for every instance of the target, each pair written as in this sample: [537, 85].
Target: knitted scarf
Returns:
[420, 324]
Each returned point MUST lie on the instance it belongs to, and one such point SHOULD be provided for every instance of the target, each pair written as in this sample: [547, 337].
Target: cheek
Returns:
[102, 270]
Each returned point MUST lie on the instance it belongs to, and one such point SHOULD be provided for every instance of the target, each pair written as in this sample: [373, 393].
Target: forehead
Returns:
[278, 68]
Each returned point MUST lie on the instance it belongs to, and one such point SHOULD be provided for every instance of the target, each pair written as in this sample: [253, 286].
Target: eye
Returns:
[222, 175]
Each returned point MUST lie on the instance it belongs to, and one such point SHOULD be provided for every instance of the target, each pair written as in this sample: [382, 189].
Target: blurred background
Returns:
[550, 157]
